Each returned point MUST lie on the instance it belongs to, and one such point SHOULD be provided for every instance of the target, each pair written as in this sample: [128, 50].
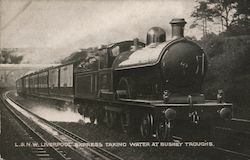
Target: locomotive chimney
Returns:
[178, 27]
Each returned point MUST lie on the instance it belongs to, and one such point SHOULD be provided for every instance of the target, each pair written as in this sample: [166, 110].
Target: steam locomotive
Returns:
[151, 89]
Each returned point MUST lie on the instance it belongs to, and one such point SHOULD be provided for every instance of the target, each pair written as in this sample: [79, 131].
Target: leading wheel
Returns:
[146, 126]
[92, 114]
[100, 117]
[92, 119]
[163, 130]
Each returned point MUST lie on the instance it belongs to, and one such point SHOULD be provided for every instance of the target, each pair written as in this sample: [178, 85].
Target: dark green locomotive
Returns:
[154, 90]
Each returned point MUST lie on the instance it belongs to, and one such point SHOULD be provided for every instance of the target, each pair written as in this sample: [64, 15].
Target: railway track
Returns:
[33, 137]
[234, 138]
[74, 147]
[237, 152]
[232, 153]
[66, 136]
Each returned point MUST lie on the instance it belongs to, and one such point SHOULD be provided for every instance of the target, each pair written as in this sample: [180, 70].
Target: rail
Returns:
[65, 135]
[48, 152]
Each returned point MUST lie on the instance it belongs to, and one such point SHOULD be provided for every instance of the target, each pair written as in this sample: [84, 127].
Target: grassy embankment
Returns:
[229, 69]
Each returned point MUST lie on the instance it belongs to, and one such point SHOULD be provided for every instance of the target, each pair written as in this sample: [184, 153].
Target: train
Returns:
[152, 89]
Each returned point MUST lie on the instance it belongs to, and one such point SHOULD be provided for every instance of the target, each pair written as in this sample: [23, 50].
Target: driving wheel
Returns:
[146, 126]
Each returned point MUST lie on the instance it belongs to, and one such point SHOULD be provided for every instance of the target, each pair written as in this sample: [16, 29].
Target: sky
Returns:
[48, 30]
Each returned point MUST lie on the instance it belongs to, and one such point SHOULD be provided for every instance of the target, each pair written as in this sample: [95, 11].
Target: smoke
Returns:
[43, 55]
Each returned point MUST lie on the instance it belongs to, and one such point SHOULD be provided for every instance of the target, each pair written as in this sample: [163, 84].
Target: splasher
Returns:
[53, 114]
